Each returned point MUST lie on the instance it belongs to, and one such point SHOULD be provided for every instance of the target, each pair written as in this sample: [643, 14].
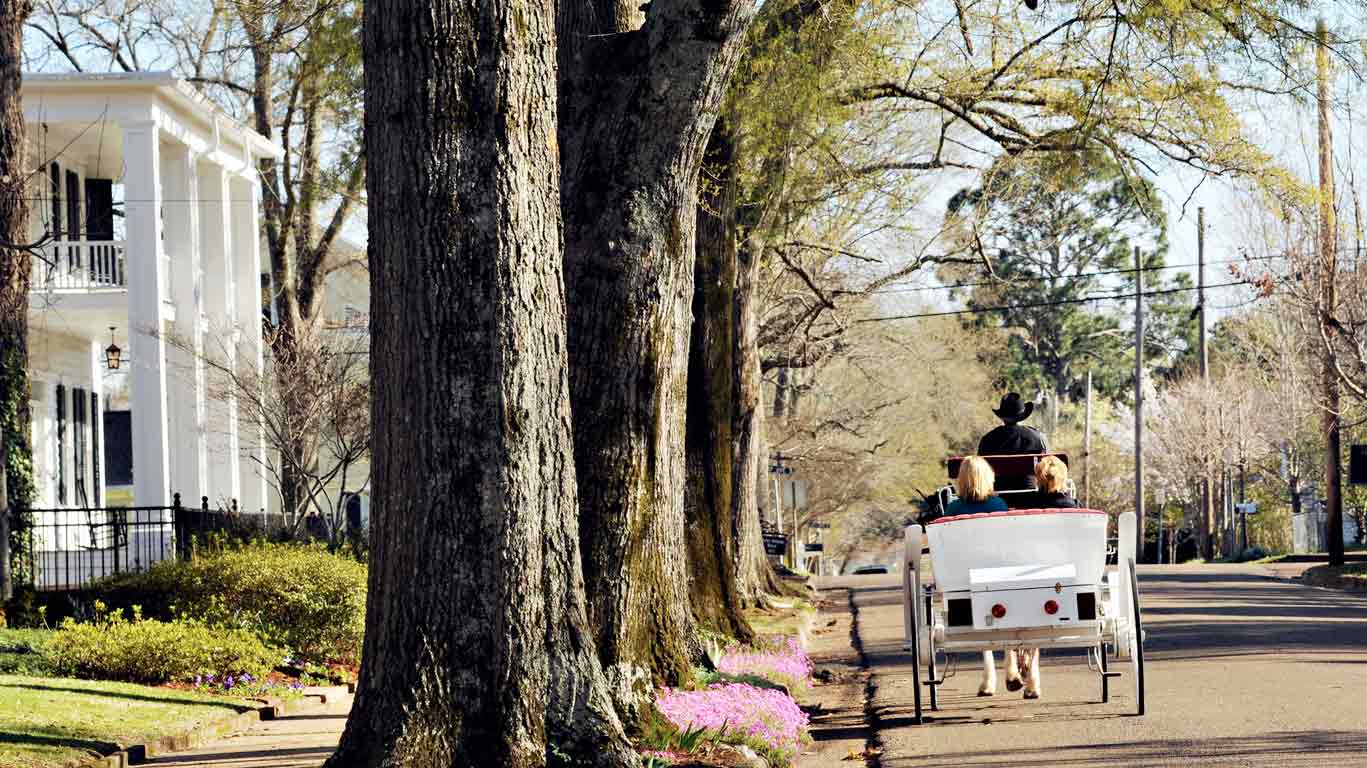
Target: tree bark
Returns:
[709, 505]
[477, 649]
[15, 266]
[636, 108]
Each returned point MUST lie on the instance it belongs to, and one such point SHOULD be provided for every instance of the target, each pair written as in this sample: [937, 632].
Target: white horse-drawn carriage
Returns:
[1021, 579]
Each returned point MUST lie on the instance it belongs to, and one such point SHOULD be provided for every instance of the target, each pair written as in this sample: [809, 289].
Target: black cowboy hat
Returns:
[1013, 409]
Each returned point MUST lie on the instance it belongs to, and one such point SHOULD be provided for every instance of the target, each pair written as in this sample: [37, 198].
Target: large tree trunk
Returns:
[708, 502]
[477, 648]
[15, 265]
[754, 575]
[636, 111]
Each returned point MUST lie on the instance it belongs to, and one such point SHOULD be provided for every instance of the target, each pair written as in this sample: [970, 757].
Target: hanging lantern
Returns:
[113, 356]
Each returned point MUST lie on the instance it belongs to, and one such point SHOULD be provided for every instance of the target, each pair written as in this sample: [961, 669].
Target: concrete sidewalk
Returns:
[302, 740]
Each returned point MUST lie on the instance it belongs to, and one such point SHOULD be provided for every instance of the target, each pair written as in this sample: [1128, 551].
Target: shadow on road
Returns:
[1284, 748]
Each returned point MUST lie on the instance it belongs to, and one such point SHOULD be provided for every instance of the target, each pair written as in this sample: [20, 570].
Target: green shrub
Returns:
[298, 597]
[149, 651]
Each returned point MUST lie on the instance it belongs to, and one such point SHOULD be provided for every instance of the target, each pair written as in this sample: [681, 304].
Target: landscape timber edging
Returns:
[267, 709]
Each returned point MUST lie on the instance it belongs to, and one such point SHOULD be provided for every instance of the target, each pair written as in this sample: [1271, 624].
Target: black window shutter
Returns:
[78, 445]
[73, 206]
[55, 176]
[61, 444]
[99, 209]
[96, 487]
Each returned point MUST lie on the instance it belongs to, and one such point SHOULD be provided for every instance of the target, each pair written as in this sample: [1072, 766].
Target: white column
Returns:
[225, 481]
[189, 455]
[147, 347]
[247, 274]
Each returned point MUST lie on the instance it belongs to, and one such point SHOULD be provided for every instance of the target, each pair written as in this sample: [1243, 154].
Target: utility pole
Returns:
[1329, 422]
[1207, 502]
[1139, 400]
[1087, 447]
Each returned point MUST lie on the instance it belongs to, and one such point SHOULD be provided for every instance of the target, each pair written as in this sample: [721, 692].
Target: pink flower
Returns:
[735, 709]
[786, 664]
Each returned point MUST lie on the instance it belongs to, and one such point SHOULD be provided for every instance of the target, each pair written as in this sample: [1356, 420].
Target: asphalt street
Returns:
[1243, 670]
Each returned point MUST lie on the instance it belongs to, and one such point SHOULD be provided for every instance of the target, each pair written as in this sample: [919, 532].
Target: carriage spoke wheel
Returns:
[1136, 641]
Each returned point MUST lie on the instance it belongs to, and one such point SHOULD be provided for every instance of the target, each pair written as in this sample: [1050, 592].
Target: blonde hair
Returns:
[976, 479]
[1052, 475]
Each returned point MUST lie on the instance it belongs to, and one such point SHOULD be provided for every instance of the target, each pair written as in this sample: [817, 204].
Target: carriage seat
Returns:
[1015, 476]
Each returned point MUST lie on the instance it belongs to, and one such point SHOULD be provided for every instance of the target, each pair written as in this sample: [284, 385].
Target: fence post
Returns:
[118, 525]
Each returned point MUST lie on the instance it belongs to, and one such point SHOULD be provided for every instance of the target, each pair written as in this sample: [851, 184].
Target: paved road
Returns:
[1244, 670]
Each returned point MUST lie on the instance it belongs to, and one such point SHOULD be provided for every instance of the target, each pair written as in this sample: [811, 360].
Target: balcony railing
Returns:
[80, 265]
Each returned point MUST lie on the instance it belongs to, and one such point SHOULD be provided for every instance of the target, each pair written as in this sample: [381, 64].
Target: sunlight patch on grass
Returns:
[50, 721]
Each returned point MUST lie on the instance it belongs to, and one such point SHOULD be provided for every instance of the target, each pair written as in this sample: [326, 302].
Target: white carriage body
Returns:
[968, 547]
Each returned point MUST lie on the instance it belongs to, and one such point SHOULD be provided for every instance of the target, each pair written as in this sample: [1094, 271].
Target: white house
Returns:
[148, 198]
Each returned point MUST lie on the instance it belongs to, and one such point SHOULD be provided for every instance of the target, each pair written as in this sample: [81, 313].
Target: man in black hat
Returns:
[1012, 437]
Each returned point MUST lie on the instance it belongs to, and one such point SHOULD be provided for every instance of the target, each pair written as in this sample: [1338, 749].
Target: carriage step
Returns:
[1111, 674]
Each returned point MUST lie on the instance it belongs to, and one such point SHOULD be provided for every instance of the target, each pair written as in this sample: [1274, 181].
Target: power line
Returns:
[1131, 270]
[1038, 304]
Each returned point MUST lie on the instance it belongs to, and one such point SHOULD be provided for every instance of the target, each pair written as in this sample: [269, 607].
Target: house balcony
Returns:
[80, 266]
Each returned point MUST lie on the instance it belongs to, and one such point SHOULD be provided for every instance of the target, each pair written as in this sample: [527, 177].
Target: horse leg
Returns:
[1013, 675]
[988, 686]
[1032, 687]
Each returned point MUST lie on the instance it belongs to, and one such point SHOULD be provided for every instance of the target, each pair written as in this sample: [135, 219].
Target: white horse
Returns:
[1022, 670]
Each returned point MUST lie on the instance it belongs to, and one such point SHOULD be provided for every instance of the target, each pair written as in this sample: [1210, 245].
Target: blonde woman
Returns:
[1051, 476]
[975, 489]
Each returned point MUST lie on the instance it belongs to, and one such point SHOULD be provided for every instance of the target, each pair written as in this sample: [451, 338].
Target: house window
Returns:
[96, 488]
[78, 441]
[60, 461]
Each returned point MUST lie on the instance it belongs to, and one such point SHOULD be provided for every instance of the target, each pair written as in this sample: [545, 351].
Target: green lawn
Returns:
[784, 616]
[47, 722]
[20, 651]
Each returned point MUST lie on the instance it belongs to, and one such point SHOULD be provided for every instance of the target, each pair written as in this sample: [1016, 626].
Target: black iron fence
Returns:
[69, 548]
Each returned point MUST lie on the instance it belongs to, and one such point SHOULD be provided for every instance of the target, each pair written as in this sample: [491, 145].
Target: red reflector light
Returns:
[998, 611]
[1051, 607]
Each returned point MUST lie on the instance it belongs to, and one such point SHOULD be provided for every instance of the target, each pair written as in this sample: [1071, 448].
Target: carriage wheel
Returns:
[1136, 641]
[916, 654]
[1105, 676]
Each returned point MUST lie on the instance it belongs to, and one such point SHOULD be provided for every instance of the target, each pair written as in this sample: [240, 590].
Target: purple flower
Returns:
[199, 680]
[246, 677]
[228, 682]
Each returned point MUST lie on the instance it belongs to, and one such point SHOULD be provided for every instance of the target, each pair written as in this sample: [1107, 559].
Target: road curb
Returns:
[1319, 576]
[267, 708]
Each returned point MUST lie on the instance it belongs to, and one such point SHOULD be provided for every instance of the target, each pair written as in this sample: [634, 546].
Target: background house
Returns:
[146, 200]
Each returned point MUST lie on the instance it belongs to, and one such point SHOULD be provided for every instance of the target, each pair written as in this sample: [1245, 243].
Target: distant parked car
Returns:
[865, 570]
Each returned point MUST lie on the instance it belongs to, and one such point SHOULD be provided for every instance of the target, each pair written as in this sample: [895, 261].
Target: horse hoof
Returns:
[1032, 694]
[1013, 685]
[987, 693]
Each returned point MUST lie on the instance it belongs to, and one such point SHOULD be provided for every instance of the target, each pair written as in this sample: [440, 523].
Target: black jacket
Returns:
[1057, 501]
[1012, 439]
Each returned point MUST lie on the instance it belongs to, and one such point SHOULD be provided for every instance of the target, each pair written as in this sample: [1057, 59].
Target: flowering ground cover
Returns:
[749, 701]
[783, 662]
[767, 720]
